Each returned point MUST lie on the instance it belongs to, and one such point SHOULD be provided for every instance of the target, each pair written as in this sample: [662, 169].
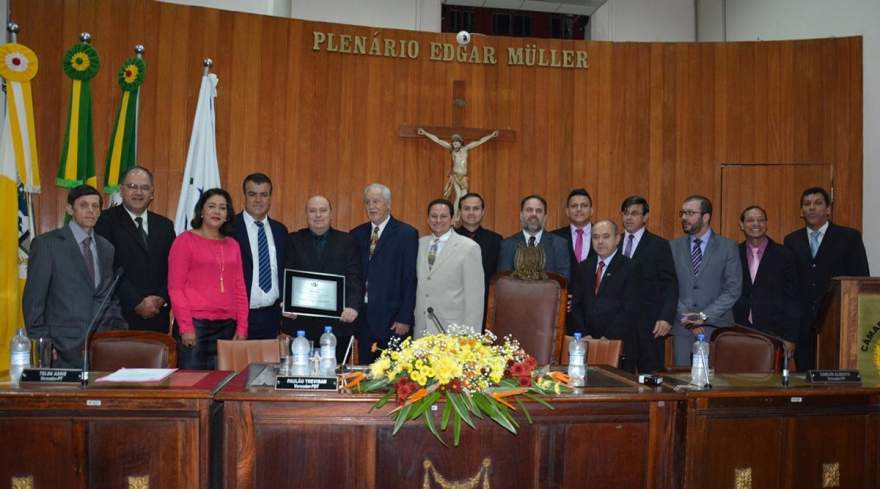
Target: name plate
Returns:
[52, 375]
[299, 382]
[834, 376]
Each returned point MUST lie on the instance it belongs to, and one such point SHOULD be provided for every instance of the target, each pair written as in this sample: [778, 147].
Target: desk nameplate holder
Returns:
[52, 375]
[307, 382]
[834, 377]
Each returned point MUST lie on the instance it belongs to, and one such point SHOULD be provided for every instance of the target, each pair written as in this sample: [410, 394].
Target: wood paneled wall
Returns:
[657, 119]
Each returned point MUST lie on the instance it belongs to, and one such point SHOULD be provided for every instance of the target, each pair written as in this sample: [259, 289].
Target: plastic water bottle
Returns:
[300, 349]
[328, 350]
[700, 362]
[19, 356]
[577, 352]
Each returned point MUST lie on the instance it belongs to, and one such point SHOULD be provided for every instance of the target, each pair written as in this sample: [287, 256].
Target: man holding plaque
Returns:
[388, 250]
[322, 249]
[450, 276]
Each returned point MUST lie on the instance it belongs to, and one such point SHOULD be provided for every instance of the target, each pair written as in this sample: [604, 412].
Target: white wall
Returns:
[278, 8]
[417, 15]
[644, 20]
[804, 19]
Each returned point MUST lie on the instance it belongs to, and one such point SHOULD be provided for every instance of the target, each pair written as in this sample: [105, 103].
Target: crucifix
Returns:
[452, 138]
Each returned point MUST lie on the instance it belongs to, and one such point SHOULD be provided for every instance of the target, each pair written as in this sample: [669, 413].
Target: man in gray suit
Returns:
[709, 278]
[533, 215]
[69, 274]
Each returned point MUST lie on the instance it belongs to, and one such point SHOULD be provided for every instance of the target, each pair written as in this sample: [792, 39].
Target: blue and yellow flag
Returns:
[77, 167]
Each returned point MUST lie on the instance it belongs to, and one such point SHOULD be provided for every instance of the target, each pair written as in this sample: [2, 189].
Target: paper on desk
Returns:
[138, 375]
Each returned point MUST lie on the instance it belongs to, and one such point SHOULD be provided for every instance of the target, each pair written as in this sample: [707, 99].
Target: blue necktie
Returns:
[265, 264]
[697, 256]
[814, 243]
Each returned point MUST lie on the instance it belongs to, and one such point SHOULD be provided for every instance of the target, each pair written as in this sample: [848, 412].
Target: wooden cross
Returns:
[467, 133]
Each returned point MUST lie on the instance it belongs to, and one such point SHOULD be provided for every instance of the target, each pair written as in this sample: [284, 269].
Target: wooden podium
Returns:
[838, 322]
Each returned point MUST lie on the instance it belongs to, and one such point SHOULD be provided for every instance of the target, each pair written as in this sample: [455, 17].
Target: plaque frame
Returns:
[287, 303]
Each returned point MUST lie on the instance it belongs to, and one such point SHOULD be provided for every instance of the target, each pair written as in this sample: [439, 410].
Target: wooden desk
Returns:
[105, 436]
[621, 435]
[750, 432]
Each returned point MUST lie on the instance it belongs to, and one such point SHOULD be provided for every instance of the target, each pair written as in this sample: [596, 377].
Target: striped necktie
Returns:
[697, 256]
[432, 253]
[265, 263]
[374, 240]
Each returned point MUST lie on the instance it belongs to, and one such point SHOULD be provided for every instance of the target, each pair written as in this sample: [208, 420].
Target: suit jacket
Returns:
[713, 292]
[60, 298]
[612, 311]
[555, 252]
[453, 286]
[842, 253]
[279, 235]
[658, 292]
[340, 257]
[390, 276]
[565, 233]
[146, 267]
[772, 298]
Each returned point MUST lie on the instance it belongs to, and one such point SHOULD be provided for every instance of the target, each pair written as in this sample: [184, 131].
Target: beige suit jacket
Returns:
[453, 286]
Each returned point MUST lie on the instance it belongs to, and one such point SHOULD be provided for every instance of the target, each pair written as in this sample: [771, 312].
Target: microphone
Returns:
[84, 377]
[436, 320]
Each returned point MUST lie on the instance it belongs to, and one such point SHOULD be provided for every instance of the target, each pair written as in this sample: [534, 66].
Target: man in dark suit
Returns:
[473, 208]
[142, 240]
[822, 250]
[70, 273]
[262, 241]
[769, 300]
[577, 235]
[658, 292]
[320, 248]
[604, 292]
[388, 250]
[533, 215]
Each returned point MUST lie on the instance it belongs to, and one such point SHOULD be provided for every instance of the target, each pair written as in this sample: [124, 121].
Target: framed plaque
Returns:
[313, 294]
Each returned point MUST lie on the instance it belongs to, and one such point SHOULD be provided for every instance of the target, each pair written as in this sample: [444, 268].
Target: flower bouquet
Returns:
[475, 376]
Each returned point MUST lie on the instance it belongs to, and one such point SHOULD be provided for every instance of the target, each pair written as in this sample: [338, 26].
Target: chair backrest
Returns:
[111, 350]
[532, 311]
[745, 350]
[599, 351]
[236, 355]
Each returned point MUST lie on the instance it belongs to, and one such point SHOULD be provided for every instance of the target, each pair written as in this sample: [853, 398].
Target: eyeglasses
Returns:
[143, 188]
[689, 213]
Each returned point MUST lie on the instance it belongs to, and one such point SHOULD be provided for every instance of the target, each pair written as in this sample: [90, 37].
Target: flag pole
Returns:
[207, 64]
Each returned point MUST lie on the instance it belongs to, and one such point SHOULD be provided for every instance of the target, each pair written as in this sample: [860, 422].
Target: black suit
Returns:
[339, 256]
[490, 245]
[265, 322]
[658, 296]
[565, 233]
[146, 266]
[841, 253]
[772, 298]
[613, 311]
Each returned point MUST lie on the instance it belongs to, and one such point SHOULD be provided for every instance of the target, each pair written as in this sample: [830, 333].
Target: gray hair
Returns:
[386, 192]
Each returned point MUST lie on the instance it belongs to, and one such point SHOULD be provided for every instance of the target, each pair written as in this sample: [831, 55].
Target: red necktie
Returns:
[579, 244]
[599, 271]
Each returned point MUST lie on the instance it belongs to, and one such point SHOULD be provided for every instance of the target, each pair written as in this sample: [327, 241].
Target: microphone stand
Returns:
[84, 377]
[436, 320]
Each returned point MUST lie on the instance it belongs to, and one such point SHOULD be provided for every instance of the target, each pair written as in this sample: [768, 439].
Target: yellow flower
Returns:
[131, 73]
[378, 368]
[80, 62]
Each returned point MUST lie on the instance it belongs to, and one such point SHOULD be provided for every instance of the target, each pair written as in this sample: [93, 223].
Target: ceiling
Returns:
[577, 7]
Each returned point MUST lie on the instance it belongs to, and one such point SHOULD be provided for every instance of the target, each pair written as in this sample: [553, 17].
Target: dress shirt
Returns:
[822, 230]
[143, 217]
[259, 298]
[79, 234]
[441, 240]
[607, 261]
[752, 251]
[537, 236]
[705, 237]
[637, 236]
[381, 226]
[588, 240]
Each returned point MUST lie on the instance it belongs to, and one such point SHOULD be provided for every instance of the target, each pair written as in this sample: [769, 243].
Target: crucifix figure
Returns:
[457, 184]
[452, 138]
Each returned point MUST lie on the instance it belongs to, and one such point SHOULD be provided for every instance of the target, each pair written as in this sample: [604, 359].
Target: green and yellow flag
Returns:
[81, 64]
[122, 154]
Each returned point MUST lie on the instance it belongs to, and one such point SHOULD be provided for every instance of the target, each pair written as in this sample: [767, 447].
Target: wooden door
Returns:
[776, 188]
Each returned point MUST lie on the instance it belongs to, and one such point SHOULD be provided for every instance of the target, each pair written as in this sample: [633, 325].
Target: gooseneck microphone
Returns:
[436, 320]
[84, 377]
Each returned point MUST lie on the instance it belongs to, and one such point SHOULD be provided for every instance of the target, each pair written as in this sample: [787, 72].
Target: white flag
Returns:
[201, 172]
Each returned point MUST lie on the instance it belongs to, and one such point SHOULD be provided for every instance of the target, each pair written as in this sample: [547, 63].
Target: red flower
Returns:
[530, 362]
[455, 385]
[525, 380]
[517, 369]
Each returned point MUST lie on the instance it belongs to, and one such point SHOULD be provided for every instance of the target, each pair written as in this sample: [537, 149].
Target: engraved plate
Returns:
[742, 478]
[313, 294]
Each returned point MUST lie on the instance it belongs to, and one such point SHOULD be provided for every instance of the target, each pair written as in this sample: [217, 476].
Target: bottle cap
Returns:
[328, 329]
[701, 337]
[300, 333]
[577, 336]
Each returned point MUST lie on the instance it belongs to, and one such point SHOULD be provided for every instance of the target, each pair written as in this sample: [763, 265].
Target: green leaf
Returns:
[489, 407]
[456, 428]
[424, 404]
[429, 422]
[402, 416]
[538, 400]
[460, 409]
[525, 411]
[469, 402]
[384, 400]
[447, 410]
[373, 384]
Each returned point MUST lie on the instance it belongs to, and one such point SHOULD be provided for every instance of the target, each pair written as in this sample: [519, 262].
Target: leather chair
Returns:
[111, 350]
[738, 349]
[599, 351]
[532, 311]
[236, 355]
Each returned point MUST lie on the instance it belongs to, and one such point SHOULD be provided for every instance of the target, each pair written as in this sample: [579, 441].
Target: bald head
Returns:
[605, 238]
[318, 214]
